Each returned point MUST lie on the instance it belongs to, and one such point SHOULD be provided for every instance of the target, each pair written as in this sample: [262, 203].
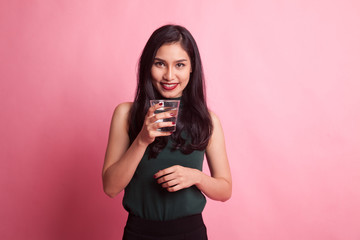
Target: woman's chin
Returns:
[170, 94]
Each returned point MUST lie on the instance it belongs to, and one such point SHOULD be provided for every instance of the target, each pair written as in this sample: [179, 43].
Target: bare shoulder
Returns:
[217, 135]
[123, 108]
[121, 115]
[215, 119]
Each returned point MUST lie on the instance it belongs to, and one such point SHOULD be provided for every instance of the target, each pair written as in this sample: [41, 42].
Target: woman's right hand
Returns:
[150, 127]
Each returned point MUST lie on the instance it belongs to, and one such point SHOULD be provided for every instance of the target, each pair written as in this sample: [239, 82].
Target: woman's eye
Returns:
[159, 64]
[180, 65]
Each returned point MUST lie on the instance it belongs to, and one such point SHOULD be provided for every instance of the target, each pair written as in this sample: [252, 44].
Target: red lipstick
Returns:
[169, 86]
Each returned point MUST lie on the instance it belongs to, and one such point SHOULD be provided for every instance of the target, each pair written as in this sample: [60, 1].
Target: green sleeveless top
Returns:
[147, 199]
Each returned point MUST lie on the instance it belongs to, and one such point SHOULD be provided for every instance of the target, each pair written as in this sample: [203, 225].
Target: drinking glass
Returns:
[167, 105]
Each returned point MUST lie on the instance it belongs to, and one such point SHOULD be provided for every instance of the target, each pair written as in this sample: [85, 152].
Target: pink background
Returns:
[283, 76]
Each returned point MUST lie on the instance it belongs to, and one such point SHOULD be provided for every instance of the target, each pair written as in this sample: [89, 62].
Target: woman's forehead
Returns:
[172, 51]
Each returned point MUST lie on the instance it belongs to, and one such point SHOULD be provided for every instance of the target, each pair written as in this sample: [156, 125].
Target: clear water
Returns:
[171, 119]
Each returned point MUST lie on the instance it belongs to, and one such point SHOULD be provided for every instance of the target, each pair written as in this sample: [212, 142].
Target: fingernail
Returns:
[172, 114]
[173, 123]
[154, 176]
[161, 104]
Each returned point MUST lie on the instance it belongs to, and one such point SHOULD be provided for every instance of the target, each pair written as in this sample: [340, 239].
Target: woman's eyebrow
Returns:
[182, 60]
[159, 59]
[162, 60]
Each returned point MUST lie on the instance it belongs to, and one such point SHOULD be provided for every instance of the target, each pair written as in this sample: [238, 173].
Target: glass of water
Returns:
[167, 106]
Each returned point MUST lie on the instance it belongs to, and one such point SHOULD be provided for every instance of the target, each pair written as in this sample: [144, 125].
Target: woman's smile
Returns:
[169, 86]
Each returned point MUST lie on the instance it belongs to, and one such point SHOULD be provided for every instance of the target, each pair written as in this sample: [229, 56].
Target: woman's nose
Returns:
[169, 74]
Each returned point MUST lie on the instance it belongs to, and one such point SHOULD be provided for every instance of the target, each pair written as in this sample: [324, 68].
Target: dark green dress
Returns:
[145, 198]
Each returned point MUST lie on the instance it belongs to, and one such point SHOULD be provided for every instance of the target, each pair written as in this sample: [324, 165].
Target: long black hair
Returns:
[194, 120]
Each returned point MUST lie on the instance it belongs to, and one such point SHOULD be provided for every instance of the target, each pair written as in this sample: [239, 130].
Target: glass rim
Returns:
[164, 100]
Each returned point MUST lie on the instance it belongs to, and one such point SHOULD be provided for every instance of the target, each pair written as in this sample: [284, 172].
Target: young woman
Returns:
[161, 172]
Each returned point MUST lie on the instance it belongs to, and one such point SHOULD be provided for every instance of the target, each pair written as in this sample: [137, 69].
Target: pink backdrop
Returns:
[283, 76]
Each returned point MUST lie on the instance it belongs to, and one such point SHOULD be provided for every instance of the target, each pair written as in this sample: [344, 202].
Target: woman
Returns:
[161, 172]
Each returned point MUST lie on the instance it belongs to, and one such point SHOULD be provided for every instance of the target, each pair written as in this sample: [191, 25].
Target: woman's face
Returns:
[171, 70]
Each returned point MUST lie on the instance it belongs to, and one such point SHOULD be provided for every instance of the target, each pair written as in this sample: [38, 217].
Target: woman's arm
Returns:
[121, 160]
[218, 186]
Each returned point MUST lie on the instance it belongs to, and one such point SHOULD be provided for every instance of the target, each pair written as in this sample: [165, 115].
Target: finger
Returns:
[153, 108]
[166, 178]
[159, 125]
[171, 183]
[155, 118]
[161, 134]
[165, 171]
[174, 188]
[163, 117]
[168, 114]
[160, 130]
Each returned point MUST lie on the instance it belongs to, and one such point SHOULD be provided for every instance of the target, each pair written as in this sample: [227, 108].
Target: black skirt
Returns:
[186, 228]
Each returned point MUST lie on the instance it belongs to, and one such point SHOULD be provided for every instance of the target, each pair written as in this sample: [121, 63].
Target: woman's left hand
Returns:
[177, 177]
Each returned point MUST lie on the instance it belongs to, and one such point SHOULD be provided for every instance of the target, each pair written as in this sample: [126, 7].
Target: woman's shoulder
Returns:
[123, 107]
[214, 118]
[122, 111]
